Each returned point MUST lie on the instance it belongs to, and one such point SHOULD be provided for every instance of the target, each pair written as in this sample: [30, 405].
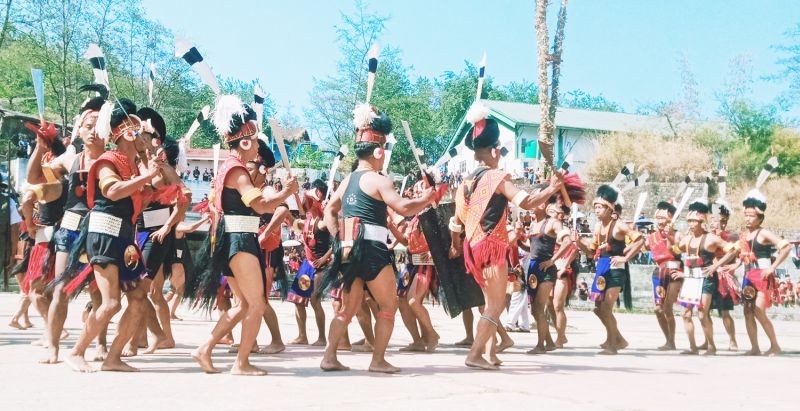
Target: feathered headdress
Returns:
[698, 210]
[755, 200]
[98, 61]
[233, 119]
[485, 132]
[607, 195]
[189, 53]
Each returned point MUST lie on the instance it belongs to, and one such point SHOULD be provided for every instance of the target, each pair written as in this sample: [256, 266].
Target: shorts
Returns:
[64, 239]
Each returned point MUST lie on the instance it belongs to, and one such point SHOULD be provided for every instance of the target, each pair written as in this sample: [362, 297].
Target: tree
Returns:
[790, 61]
[548, 102]
[583, 100]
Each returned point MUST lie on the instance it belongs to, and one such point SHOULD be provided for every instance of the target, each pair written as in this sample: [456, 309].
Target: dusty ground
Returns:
[572, 378]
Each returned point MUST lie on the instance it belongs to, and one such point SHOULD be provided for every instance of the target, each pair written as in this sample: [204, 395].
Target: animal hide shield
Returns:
[458, 289]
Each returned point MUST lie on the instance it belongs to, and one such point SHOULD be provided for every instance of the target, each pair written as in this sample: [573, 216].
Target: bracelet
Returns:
[454, 227]
[519, 198]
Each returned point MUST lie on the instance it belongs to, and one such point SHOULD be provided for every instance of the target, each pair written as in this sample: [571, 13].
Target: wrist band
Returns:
[456, 228]
[781, 244]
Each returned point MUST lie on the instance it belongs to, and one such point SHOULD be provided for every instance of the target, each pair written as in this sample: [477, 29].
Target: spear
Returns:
[189, 53]
[413, 145]
[372, 57]
[38, 89]
[335, 166]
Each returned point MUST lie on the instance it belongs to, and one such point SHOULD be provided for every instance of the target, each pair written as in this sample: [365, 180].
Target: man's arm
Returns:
[633, 247]
[783, 248]
[254, 198]
[526, 200]
[404, 206]
[331, 212]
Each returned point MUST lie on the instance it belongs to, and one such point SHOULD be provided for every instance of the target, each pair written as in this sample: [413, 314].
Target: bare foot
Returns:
[366, 347]
[299, 341]
[550, 347]
[496, 361]
[130, 350]
[695, 351]
[608, 351]
[604, 345]
[505, 344]
[773, 352]
[78, 363]
[64, 334]
[15, 324]
[539, 349]
[117, 365]
[247, 369]
[753, 353]
[159, 344]
[430, 345]
[204, 360]
[52, 356]
[344, 346]
[100, 353]
[622, 344]
[273, 348]
[733, 346]
[466, 342]
[711, 351]
[321, 342]
[226, 340]
[384, 367]
[560, 341]
[703, 346]
[480, 363]
[666, 347]
[40, 342]
[174, 317]
[27, 325]
[360, 342]
[418, 346]
[332, 365]
[235, 349]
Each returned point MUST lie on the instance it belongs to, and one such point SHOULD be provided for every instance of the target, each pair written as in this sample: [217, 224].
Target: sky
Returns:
[626, 50]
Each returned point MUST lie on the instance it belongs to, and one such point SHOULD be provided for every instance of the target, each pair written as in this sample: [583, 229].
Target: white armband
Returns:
[519, 198]
[456, 228]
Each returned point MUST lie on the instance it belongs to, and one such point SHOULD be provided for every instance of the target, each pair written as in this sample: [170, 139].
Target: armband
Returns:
[108, 180]
[781, 244]
[731, 246]
[519, 198]
[250, 195]
[456, 228]
[38, 191]
[676, 250]
[636, 236]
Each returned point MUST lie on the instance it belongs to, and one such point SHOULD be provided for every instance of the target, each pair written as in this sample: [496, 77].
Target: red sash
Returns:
[308, 236]
[124, 169]
[231, 163]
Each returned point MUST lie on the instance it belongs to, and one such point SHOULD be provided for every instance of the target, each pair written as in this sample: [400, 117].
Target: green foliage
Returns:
[54, 34]
[583, 100]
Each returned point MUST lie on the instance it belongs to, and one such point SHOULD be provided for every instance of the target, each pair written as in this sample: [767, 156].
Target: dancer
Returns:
[481, 213]
[360, 252]
[663, 244]
[236, 252]
[611, 277]
[728, 295]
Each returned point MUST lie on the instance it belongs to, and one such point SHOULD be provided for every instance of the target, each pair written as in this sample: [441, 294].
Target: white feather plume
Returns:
[477, 112]
[437, 176]
[755, 194]
[103, 126]
[183, 158]
[620, 199]
[363, 116]
[226, 108]
[93, 51]
[344, 150]
[206, 110]
[182, 46]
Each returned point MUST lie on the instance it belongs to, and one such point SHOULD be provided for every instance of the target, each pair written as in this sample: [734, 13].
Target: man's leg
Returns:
[384, 291]
[468, 318]
[669, 315]
[419, 288]
[107, 280]
[494, 290]
[101, 344]
[271, 319]
[56, 313]
[766, 324]
[542, 327]
[319, 313]
[410, 322]
[351, 302]
[248, 280]
[300, 317]
[750, 325]
[707, 324]
[730, 328]
[177, 279]
[559, 305]
[126, 329]
[607, 312]
[156, 294]
[364, 317]
[688, 324]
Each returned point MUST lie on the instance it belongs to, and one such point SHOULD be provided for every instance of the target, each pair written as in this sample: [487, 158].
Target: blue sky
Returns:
[626, 50]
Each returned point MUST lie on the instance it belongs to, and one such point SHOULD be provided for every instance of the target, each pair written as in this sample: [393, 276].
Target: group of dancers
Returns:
[108, 216]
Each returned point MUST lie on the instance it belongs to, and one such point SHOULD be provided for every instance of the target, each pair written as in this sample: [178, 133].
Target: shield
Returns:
[458, 289]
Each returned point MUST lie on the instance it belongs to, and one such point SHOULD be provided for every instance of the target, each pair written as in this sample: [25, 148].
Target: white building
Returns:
[574, 136]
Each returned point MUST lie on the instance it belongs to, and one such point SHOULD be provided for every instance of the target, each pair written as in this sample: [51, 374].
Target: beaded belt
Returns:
[156, 218]
[44, 233]
[693, 272]
[672, 265]
[103, 223]
[371, 233]
[761, 263]
[422, 258]
[71, 221]
[241, 224]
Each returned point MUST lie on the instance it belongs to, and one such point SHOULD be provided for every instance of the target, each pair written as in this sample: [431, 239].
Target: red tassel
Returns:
[487, 252]
[75, 284]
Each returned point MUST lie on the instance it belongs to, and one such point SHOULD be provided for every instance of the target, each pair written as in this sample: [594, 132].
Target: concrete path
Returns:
[572, 378]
